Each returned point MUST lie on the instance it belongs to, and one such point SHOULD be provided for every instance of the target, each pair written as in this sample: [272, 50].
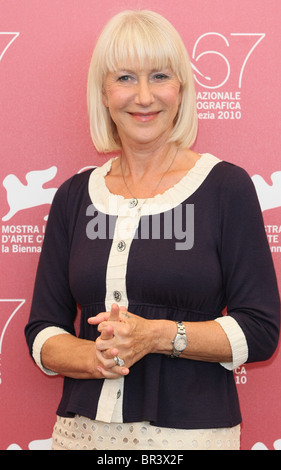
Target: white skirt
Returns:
[80, 433]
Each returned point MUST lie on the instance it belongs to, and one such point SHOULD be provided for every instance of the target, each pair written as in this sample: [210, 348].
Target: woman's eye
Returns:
[124, 78]
[161, 76]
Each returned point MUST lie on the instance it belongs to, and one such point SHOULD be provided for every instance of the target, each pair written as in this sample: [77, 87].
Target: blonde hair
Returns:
[140, 36]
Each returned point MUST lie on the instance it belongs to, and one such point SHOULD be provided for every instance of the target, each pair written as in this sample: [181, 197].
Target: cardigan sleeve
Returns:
[53, 304]
[250, 283]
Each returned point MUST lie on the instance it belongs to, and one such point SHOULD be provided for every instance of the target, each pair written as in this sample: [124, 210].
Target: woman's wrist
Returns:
[162, 334]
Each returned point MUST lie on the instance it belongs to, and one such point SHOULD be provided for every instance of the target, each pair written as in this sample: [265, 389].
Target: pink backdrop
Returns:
[45, 49]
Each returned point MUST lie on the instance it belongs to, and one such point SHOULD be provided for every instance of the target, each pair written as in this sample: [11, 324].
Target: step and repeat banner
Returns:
[45, 50]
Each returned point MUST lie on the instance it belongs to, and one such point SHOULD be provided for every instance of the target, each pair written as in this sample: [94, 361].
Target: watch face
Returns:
[180, 343]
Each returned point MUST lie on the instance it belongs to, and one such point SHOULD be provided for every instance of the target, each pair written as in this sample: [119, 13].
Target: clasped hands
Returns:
[122, 334]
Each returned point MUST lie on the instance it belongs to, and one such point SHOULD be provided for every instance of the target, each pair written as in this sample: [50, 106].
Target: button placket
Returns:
[126, 224]
[125, 228]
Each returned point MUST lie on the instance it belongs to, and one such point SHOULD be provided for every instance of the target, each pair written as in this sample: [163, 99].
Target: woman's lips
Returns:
[145, 117]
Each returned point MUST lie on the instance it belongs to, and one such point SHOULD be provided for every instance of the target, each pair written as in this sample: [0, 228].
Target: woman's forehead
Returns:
[135, 63]
[145, 66]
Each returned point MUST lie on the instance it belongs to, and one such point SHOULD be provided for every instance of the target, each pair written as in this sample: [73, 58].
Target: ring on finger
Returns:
[118, 361]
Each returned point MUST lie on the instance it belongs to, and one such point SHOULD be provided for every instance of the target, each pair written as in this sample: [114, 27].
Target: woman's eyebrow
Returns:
[158, 69]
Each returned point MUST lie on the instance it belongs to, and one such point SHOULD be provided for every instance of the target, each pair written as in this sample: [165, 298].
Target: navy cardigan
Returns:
[229, 265]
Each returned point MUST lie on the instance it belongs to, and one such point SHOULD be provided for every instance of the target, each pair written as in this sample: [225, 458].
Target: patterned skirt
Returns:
[80, 433]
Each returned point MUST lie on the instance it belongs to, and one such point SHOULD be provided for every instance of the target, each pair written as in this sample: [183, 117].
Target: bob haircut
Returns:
[146, 37]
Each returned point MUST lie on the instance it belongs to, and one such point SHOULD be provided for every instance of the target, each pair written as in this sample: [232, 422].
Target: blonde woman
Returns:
[154, 246]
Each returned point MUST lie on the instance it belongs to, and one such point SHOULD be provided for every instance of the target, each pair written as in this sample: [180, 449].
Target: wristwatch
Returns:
[180, 341]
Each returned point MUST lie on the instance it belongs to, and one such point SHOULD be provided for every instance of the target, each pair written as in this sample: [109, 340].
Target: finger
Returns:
[106, 359]
[105, 342]
[107, 332]
[114, 313]
[123, 309]
[106, 349]
[107, 366]
[103, 316]
[107, 354]
[114, 373]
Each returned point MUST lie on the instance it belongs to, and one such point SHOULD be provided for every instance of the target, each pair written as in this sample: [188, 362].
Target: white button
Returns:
[121, 246]
[117, 295]
[133, 203]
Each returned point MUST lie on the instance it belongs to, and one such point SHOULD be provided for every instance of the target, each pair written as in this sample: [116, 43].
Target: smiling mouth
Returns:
[145, 117]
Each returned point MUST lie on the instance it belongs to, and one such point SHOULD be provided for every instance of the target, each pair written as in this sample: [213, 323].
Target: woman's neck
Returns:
[137, 163]
[137, 173]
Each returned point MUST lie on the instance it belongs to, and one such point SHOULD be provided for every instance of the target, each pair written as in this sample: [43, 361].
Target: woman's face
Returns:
[143, 103]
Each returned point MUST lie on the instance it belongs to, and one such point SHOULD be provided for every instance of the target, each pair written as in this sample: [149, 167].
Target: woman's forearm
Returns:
[207, 341]
[71, 357]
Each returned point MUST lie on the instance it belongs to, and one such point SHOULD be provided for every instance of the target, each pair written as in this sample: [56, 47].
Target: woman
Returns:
[153, 246]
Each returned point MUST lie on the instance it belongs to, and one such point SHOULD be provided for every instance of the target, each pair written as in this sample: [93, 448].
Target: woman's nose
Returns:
[144, 94]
